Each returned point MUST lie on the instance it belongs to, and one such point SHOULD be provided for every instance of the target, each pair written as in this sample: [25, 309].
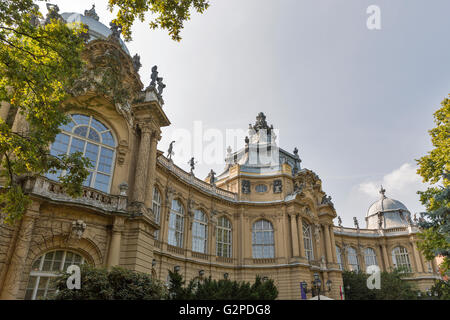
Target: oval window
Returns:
[261, 188]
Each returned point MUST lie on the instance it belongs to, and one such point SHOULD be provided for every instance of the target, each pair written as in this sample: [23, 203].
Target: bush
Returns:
[392, 287]
[225, 289]
[117, 284]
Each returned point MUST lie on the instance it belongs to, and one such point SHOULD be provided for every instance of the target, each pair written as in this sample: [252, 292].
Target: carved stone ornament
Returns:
[136, 62]
[76, 231]
[123, 187]
[122, 151]
[277, 186]
[91, 13]
[246, 186]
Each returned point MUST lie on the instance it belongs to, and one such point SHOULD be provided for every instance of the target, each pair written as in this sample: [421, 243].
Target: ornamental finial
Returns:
[382, 192]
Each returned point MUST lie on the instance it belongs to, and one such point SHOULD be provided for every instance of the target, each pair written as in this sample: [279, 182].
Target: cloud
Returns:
[403, 180]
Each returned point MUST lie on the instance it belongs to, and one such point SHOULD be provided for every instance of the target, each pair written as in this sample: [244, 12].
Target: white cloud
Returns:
[403, 180]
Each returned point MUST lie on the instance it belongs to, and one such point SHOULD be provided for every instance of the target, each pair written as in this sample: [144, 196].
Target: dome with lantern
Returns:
[387, 213]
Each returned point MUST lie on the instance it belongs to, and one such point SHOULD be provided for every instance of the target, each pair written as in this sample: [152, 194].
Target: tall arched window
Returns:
[47, 267]
[370, 258]
[95, 141]
[199, 232]
[307, 241]
[156, 206]
[223, 237]
[339, 258]
[176, 224]
[400, 258]
[353, 261]
[263, 240]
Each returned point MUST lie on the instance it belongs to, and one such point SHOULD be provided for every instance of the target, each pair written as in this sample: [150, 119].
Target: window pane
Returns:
[98, 126]
[108, 139]
[77, 145]
[80, 119]
[102, 182]
[93, 135]
[60, 145]
[81, 131]
[92, 154]
[106, 160]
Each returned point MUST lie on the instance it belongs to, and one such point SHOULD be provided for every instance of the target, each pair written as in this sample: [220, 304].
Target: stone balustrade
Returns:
[192, 180]
[43, 187]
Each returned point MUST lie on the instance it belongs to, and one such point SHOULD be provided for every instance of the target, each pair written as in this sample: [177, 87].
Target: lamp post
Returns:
[316, 286]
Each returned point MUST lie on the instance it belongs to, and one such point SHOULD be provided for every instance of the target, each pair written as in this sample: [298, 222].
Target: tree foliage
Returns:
[392, 287]
[40, 71]
[117, 284]
[38, 63]
[435, 169]
[170, 14]
[209, 289]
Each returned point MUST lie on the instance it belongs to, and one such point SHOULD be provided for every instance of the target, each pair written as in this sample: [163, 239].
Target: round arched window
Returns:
[46, 267]
[199, 232]
[95, 141]
[400, 258]
[263, 240]
[223, 237]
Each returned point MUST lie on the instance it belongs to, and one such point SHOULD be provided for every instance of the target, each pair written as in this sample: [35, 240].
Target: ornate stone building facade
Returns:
[264, 215]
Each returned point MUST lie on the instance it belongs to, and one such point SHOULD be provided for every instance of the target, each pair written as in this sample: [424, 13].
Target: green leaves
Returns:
[117, 284]
[209, 289]
[167, 14]
[39, 64]
[392, 287]
[435, 169]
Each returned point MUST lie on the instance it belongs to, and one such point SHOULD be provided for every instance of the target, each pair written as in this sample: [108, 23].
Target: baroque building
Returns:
[263, 215]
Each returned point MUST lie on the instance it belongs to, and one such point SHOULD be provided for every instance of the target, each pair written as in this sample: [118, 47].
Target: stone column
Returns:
[300, 236]
[114, 246]
[333, 243]
[22, 246]
[4, 110]
[387, 264]
[20, 123]
[328, 245]
[316, 236]
[151, 175]
[140, 180]
[419, 267]
[294, 234]
[379, 255]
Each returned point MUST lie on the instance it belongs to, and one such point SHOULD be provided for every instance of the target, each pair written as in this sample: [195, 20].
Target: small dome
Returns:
[97, 30]
[387, 213]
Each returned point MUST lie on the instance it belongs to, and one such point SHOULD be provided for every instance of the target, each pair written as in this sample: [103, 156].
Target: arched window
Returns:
[353, 261]
[370, 258]
[223, 238]
[47, 267]
[176, 224]
[156, 206]
[263, 240]
[339, 258]
[400, 258]
[199, 232]
[94, 140]
[307, 241]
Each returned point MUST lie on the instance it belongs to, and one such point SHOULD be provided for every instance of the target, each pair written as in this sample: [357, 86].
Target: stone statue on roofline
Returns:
[91, 13]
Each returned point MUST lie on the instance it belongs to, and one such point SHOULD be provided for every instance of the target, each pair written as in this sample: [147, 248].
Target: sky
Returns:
[357, 103]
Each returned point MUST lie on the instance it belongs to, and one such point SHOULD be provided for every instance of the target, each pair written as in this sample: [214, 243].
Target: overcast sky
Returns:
[356, 102]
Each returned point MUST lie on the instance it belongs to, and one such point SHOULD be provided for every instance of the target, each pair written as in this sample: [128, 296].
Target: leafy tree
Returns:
[209, 289]
[392, 287]
[441, 290]
[40, 67]
[38, 63]
[170, 14]
[435, 169]
[117, 284]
